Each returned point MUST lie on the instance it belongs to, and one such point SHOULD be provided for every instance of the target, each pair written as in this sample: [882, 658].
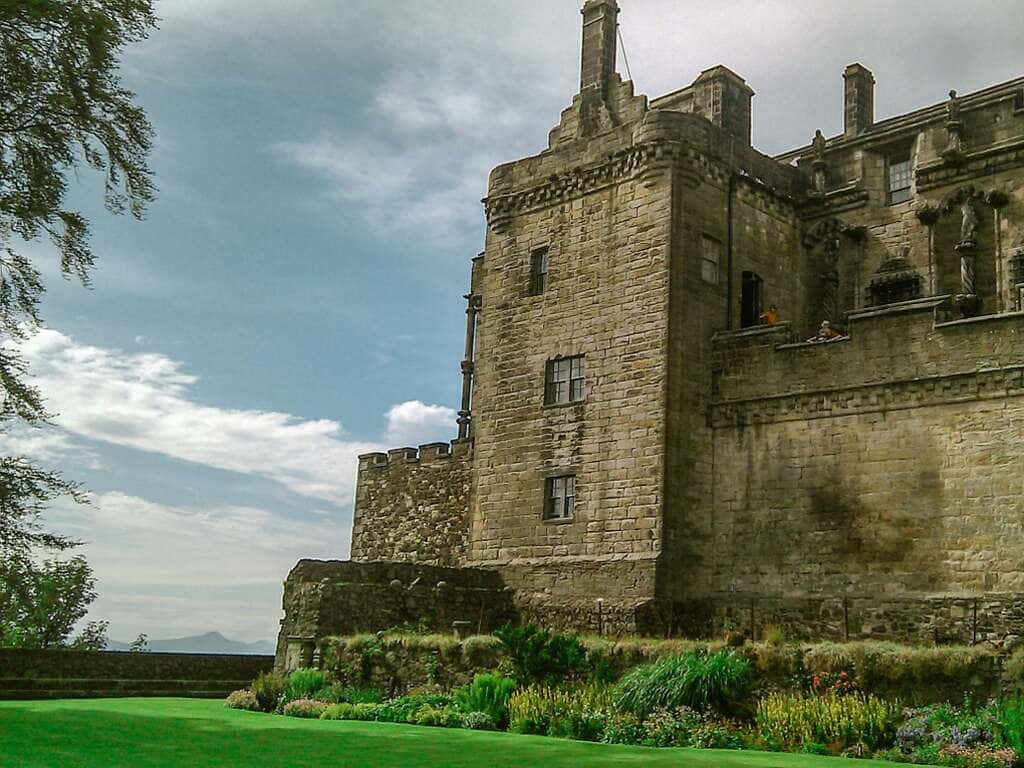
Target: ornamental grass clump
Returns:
[304, 683]
[700, 680]
[577, 713]
[487, 693]
[838, 721]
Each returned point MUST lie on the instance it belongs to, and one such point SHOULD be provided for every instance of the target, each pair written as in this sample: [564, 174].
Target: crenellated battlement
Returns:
[412, 504]
[424, 454]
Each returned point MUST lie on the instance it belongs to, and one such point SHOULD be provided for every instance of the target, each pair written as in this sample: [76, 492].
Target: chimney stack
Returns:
[600, 30]
[859, 113]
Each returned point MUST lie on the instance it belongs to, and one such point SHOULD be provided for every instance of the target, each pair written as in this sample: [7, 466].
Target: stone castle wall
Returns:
[412, 505]
[880, 469]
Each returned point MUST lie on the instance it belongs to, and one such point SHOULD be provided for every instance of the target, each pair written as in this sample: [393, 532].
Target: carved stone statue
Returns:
[830, 281]
[954, 129]
[819, 165]
[969, 223]
[818, 146]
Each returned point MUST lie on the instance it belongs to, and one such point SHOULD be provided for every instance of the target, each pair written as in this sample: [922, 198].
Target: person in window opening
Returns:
[825, 333]
[771, 317]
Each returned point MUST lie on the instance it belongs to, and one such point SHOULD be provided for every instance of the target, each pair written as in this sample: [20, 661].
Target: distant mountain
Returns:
[211, 642]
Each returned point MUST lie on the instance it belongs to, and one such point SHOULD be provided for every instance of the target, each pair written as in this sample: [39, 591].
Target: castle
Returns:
[659, 434]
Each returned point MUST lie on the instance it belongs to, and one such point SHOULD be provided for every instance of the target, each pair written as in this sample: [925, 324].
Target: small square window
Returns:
[710, 259]
[899, 180]
[564, 380]
[538, 271]
[560, 497]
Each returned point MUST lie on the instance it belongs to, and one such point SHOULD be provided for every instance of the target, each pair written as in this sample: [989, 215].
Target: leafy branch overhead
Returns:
[62, 108]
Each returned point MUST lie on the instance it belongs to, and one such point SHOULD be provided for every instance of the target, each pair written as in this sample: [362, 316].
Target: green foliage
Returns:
[697, 679]
[243, 699]
[92, 637]
[479, 721]
[773, 635]
[347, 711]
[41, 603]
[1009, 717]
[399, 710]
[338, 694]
[623, 728]
[140, 644]
[304, 683]
[571, 712]
[268, 687]
[830, 719]
[487, 693]
[440, 717]
[307, 708]
[540, 655]
[963, 725]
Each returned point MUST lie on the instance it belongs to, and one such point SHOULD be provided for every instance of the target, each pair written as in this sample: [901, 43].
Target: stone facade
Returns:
[723, 469]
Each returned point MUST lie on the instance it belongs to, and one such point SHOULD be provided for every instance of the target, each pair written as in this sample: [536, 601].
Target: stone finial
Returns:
[859, 102]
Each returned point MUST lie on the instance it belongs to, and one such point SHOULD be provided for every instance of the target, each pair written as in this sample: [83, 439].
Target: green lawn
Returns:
[194, 733]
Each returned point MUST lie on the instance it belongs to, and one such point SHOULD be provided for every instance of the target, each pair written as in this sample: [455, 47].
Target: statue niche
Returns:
[966, 250]
[834, 264]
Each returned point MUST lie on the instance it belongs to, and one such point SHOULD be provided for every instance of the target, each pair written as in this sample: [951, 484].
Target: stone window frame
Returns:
[560, 494]
[540, 264]
[710, 268]
[895, 175]
[565, 380]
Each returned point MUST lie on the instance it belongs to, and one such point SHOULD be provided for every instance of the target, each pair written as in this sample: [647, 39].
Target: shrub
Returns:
[947, 724]
[267, 688]
[670, 727]
[773, 635]
[346, 694]
[1009, 724]
[697, 679]
[623, 728]
[481, 650]
[487, 693]
[398, 710]
[304, 683]
[835, 720]
[305, 708]
[443, 717]
[243, 699]
[478, 721]
[977, 757]
[572, 712]
[540, 655]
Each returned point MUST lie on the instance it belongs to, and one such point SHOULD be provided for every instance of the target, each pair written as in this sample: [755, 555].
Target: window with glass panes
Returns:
[564, 380]
[538, 271]
[899, 180]
[560, 497]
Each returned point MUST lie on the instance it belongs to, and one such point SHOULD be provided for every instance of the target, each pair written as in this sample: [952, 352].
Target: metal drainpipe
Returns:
[728, 254]
[466, 413]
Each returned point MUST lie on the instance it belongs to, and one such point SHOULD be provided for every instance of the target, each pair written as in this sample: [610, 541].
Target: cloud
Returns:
[47, 445]
[171, 571]
[414, 423]
[146, 401]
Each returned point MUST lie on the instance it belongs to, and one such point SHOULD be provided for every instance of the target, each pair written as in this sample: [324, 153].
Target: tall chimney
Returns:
[600, 27]
[859, 113]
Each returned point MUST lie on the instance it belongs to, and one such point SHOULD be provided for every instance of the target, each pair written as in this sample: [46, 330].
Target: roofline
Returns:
[892, 125]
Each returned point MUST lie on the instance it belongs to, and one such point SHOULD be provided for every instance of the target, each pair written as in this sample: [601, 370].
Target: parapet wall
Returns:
[881, 472]
[335, 597]
[412, 505]
[45, 674]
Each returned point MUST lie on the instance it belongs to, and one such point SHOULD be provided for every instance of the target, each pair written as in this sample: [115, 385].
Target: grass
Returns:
[165, 733]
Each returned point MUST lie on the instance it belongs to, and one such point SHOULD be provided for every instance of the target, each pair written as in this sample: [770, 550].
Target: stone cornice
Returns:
[1002, 157]
[834, 201]
[944, 389]
[648, 160]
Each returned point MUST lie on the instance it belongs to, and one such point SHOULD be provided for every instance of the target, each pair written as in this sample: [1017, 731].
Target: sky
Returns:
[293, 297]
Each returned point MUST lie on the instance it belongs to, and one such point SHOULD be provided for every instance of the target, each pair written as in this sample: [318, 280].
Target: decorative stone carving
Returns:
[818, 166]
[896, 280]
[830, 281]
[954, 130]
[969, 223]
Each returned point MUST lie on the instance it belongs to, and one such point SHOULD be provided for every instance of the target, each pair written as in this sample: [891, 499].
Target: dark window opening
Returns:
[563, 380]
[560, 497]
[710, 259]
[538, 271]
[750, 300]
[899, 180]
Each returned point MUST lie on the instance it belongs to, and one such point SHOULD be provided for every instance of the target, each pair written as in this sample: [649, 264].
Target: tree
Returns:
[40, 604]
[62, 106]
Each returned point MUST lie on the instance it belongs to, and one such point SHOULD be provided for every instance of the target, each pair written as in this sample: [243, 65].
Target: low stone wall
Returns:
[326, 598]
[41, 674]
[397, 664]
